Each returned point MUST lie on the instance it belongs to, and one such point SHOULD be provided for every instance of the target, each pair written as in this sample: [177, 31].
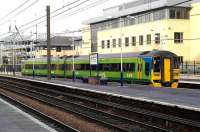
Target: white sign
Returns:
[94, 59]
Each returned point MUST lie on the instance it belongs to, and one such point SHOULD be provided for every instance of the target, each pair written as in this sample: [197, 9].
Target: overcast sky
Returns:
[58, 24]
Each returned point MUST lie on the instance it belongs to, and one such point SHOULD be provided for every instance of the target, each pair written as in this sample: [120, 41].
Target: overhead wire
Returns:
[72, 14]
[83, 2]
[87, 0]
[18, 7]
[21, 11]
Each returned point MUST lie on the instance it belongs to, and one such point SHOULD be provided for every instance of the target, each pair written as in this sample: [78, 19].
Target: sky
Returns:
[67, 21]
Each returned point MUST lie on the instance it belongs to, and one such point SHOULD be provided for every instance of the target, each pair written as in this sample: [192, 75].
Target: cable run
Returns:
[21, 5]
[21, 11]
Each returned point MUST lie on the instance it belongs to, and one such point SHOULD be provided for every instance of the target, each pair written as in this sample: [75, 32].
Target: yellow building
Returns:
[142, 25]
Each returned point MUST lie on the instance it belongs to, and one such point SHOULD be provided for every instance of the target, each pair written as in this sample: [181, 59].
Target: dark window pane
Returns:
[147, 68]
[102, 44]
[141, 40]
[157, 38]
[149, 39]
[134, 41]
[126, 41]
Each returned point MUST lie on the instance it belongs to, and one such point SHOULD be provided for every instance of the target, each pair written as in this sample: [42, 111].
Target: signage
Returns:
[94, 59]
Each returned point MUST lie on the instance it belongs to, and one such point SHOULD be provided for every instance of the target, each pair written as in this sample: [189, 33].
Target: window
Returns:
[141, 40]
[156, 63]
[114, 43]
[58, 49]
[178, 37]
[172, 14]
[179, 13]
[134, 41]
[102, 44]
[176, 62]
[149, 39]
[157, 38]
[126, 41]
[108, 43]
[147, 68]
[119, 42]
[128, 67]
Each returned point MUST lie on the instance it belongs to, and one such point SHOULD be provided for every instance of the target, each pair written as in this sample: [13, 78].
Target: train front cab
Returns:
[165, 71]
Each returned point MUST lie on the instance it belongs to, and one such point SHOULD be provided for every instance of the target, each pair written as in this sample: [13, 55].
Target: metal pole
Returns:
[73, 73]
[121, 55]
[48, 43]
[194, 67]
[33, 50]
[13, 59]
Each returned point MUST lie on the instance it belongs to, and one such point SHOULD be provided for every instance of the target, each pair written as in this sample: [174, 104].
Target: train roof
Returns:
[134, 54]
[117, 55]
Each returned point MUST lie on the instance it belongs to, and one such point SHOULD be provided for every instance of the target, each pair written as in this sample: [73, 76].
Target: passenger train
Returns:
[156, 68]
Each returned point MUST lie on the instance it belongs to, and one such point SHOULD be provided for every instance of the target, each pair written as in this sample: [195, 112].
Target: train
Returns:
[156, 68]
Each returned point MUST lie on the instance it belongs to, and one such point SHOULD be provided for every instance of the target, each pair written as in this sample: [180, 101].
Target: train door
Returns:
[167, 70]
[139, 71]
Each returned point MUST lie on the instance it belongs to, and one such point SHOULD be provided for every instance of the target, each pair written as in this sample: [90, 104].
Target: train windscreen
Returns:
[176, 62]
[156, 63]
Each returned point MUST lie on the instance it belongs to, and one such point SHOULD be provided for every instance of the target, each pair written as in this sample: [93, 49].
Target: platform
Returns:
[13, 119]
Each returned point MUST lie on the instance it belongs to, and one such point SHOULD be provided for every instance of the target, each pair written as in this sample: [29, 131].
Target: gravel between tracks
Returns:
[67, 118]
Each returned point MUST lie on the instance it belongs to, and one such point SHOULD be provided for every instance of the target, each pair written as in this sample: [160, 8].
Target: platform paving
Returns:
[13, 119]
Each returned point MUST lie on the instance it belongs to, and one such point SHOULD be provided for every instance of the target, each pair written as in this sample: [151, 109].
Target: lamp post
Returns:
[73, 47]
[73, 68]
[121, 54]
[130, 18]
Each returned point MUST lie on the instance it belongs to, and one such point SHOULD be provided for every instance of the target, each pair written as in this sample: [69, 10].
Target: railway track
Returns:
[57, 125]
[115, 115]
[115, 122]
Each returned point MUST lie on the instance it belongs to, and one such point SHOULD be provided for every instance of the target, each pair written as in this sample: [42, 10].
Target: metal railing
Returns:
[190, 67]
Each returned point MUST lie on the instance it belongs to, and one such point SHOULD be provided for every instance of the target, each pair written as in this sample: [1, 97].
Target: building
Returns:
[15, 49]
[60, 46]
[145, 25]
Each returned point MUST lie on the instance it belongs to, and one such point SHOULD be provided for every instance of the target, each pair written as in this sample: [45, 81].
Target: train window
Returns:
[61, 67]
[87, 67]
[107, 67]
[128, 67]
[93, 67]
[53, 66]
[29, 66]
[77, 67]
[69, 67]
[176, 62]
[156, 63]
[147, 68]
[83, 67]
[115, 67]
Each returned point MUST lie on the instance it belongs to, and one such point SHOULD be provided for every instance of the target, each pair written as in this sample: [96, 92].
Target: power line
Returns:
[21, 5]
[21, 11]
[87, 0]
[51, 13]
[75, 13]
[61, 13]
[45, 15]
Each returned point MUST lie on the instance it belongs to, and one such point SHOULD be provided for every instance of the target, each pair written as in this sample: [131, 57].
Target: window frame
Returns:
[180, 39]
[148, 39]
[103, 44]
[133, 39]
[141, 40]
[157, 38]
[126, 41]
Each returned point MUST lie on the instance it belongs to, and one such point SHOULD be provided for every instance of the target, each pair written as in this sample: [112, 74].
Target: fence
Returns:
[9, 68]
[187, 67]
[190, 67]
